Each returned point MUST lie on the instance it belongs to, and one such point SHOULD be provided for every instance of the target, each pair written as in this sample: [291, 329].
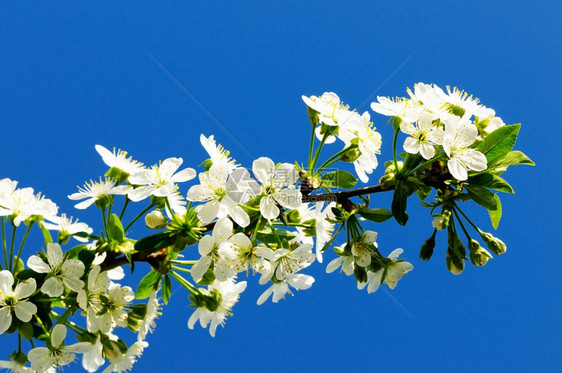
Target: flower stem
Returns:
[462, 225]
[181, 269]
[394, 148]
[334, 158]
[4, 242]
[422, 165]
[23, 243]
[186, 284]
[183, 262]
[141, 214]
[124, 207]
[12, 246]
[467, 218]
[311, 144]
[317, 154]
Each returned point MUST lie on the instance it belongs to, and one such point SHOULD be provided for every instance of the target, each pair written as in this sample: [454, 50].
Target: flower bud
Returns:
[441, 221]
[496, 245]
[426, 250]
[455, 265]
[155, 220]
[478, 255]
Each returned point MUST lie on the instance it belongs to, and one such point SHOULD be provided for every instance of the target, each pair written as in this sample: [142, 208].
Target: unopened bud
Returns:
[155, 220]
[455, 265]
[426, 250]
[442, 220]
[478, 255]
[496, 245]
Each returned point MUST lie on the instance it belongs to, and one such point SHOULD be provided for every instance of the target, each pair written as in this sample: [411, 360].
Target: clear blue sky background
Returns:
[81, 74]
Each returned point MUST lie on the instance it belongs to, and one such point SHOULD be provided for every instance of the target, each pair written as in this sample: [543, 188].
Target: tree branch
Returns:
[339, 197]
[342, 196]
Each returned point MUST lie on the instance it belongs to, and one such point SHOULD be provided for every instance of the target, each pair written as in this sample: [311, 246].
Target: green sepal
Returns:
[377, 215]
[166, 289]
[339, 179]
[500, 142]
[491, 181]
[147, 285]
[482, 196]
[115, 231]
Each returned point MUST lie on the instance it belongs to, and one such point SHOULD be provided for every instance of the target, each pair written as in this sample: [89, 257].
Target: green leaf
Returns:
[91, 237]
[399, 201]
[87, 257]
[377, 215]
[115, 229]
[482, 196]
[166, 289]
[500, 142]
[339, 179]
[496, 215]
[26, 330]
[156, 241]
[491, 181]
[147, 285]
[512, 158]
[270, 237]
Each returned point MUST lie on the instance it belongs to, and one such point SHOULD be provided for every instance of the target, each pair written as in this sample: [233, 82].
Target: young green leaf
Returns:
[482, 196]
[272, 238]
[46, 235]
[156, 241]
[115, 230]
[512, 158]
[147, 285]
[166, 289]
[496, 215]
[491, 181]
[500, 142]
[399, 201]
[339, 179]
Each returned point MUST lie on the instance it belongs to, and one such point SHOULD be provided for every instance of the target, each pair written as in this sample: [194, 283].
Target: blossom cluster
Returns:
[453, 121]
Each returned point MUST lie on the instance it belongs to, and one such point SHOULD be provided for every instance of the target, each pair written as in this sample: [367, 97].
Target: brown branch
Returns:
[339, 197]
[344, 195]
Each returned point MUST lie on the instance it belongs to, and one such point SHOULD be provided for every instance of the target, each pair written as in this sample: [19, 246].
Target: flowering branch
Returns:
[267, 221]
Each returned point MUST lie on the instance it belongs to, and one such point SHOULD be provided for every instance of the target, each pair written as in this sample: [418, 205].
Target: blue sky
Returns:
[76, 75]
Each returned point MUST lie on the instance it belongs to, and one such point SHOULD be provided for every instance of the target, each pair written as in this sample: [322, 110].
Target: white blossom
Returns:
[124, 362]
[285, 262]
[230, 292]
[152, 312]
[15, 301]
[361, 248]
[60, 272]
[67, 227]
[119, 159]
[94, 191]
[159, 181]
[209, 251]
[298, 281]
[394, 272]
[277, 186]
[59, 354]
